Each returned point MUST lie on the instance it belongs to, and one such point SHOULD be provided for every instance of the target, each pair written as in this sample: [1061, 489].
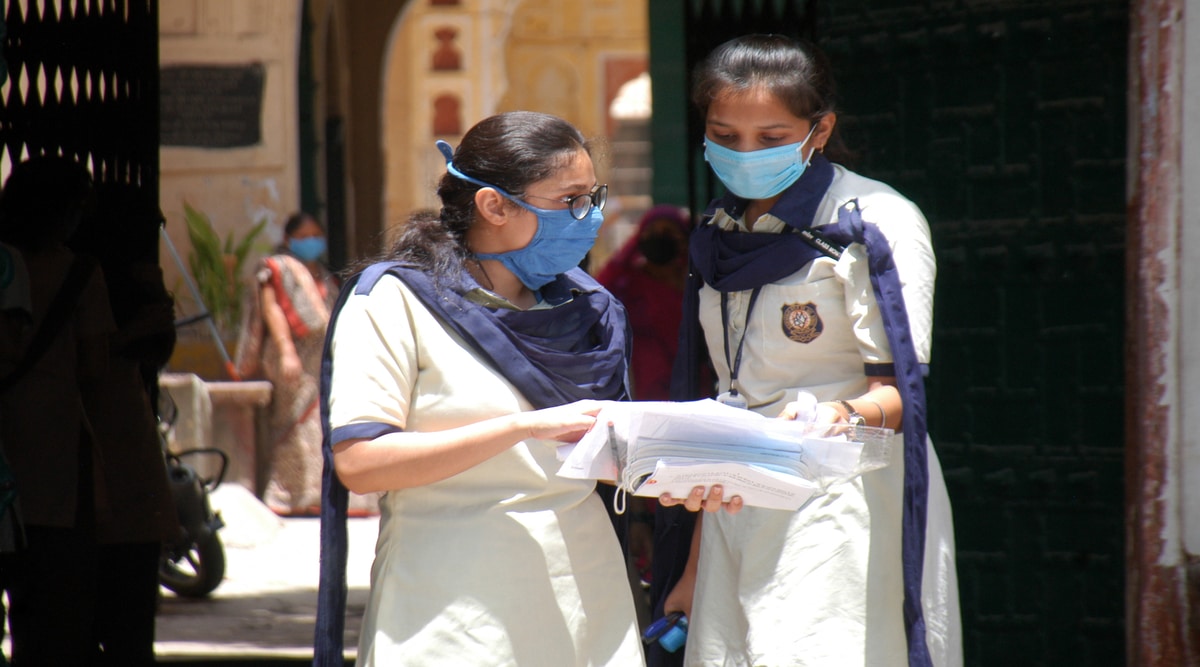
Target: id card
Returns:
[733, 399]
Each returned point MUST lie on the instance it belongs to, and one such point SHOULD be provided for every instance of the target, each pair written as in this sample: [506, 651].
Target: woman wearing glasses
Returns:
[453, 370]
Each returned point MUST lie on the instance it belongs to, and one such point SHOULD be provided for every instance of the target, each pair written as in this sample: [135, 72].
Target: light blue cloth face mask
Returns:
[760, 174]
[559, 244]
[309, 249]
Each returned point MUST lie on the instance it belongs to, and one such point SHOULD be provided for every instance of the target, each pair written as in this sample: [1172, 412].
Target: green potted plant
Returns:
[217, 267]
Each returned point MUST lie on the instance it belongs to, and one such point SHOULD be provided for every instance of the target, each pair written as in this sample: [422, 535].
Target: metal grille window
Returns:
[82, 80]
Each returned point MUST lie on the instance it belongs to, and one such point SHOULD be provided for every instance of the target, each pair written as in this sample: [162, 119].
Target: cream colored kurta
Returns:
[503, 564]
[823, 586]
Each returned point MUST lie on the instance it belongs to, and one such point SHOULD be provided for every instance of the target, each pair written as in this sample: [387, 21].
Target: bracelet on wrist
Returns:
[882, 413]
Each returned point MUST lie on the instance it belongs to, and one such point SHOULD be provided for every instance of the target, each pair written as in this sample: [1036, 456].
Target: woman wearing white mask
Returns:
[455, 367]
[808, 277]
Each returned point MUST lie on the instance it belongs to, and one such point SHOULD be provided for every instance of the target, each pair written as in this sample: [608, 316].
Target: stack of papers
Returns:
[650, 448]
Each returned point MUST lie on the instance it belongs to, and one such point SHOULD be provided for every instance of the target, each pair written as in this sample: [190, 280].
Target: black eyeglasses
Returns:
[581, 205]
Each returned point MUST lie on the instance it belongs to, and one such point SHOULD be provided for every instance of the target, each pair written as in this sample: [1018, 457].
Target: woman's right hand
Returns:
[564, 423]
[708, 499]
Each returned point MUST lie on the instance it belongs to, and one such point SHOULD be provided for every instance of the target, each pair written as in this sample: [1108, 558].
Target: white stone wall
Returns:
[235, 187]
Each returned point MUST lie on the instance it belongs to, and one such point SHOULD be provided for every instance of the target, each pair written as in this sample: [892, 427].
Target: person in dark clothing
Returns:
[122, 235]
[51, 582]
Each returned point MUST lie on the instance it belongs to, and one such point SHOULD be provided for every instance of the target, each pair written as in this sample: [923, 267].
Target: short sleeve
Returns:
[907, 231]
[374, 358]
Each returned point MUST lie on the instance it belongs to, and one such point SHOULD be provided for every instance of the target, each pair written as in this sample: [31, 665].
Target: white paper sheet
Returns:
[652, 447]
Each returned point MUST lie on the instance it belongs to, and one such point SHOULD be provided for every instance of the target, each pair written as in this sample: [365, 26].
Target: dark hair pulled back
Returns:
[510, 151]
[295, 220]
[797, 73]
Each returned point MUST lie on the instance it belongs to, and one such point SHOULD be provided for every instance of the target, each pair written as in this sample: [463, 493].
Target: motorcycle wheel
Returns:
[196, 572]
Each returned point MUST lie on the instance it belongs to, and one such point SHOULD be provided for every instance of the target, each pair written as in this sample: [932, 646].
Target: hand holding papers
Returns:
[650, 448]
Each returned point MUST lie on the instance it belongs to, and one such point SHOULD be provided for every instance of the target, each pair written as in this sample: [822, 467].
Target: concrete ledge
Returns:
[249, 392]
[192, 427]
[229, 416]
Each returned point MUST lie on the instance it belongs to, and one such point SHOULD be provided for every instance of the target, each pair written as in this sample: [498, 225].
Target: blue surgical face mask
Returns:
[559, 245]
[760, 174]
[309, 249]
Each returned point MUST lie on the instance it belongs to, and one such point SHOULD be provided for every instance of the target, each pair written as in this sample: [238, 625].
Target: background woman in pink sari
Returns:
[281, 340]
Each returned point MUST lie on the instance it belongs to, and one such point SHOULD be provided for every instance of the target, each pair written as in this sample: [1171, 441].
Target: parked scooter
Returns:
[193, 564]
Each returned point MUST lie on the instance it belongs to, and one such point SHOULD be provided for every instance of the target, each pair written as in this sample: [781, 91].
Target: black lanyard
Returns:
[736, 362]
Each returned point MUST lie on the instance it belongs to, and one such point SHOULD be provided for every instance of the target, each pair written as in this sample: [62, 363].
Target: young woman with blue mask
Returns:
[456, 365]
[563, 236]
[808, 278]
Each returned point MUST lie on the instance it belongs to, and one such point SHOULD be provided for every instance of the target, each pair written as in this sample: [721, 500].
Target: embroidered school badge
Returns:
[801, 322]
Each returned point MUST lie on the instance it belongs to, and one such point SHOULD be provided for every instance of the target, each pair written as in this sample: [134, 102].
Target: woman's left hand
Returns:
[828, 413]
[290, 366]
[711, 502]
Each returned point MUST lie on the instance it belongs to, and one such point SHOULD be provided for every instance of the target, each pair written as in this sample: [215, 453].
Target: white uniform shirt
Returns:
[505, 563]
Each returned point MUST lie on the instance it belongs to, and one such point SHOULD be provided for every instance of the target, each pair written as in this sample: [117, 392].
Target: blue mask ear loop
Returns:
[800, 150]
[449, 155]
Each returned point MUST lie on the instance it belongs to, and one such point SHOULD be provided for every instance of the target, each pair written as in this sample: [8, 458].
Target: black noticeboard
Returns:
[209, 106]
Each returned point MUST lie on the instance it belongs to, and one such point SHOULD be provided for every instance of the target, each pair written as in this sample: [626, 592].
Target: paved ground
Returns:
[266, 606]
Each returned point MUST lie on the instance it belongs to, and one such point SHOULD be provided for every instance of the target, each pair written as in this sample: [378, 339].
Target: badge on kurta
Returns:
[801, 322]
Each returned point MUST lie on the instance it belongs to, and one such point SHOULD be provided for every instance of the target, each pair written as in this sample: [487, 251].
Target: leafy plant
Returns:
[217, 266]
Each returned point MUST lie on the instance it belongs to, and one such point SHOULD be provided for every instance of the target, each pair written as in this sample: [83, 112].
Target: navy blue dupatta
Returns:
[910, 381]
[734, 261]
[577, 349]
